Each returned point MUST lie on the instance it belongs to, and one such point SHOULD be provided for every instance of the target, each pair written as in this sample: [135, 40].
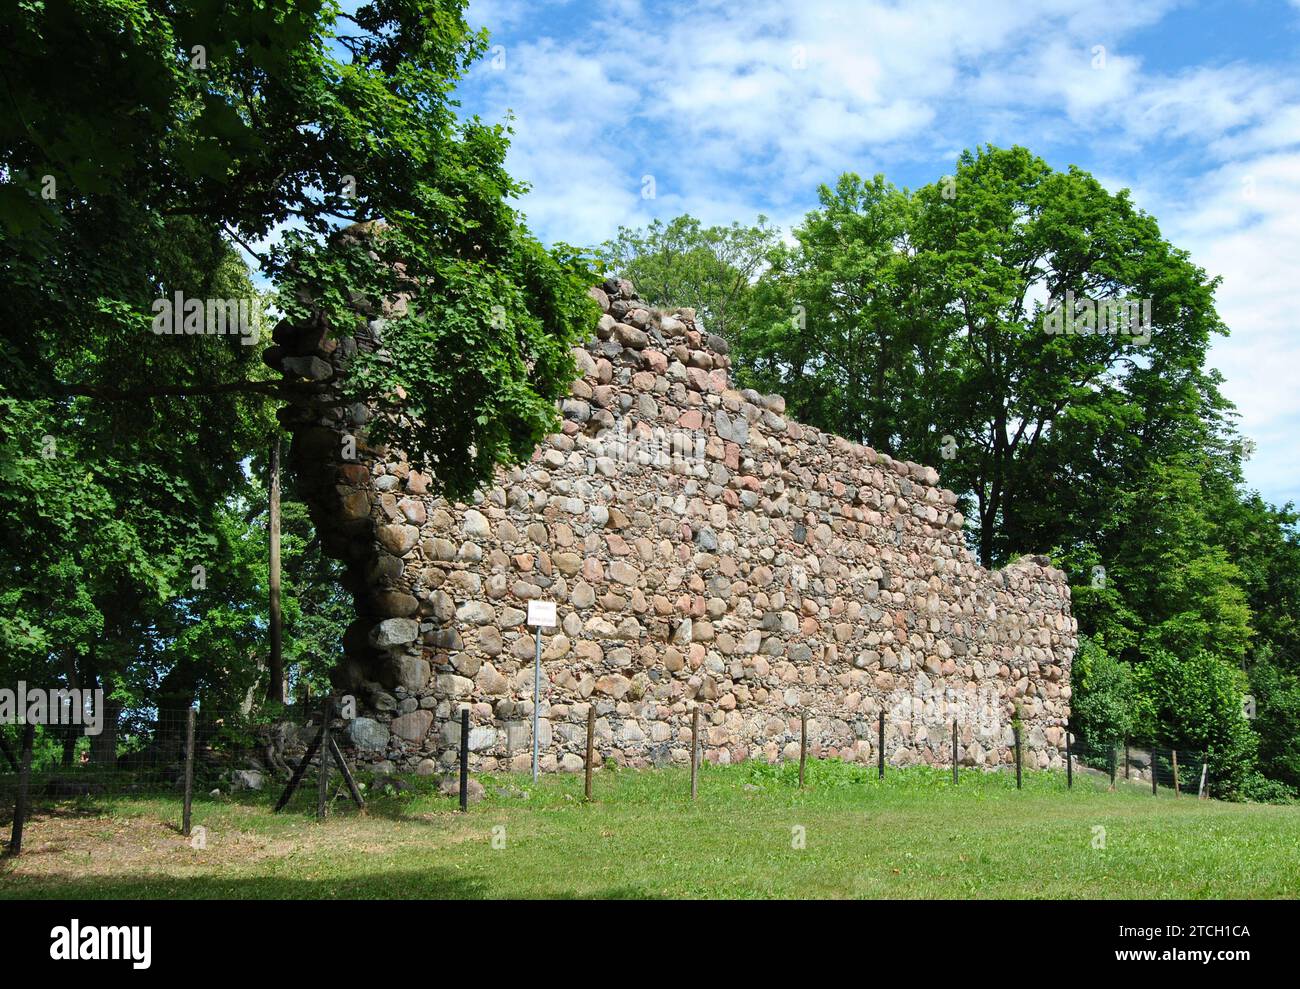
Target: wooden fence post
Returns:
[464, 759]
[954, 751]
[591, 747]
[189, 772]
[299, 772]
[803, 745]
[695, 748]
[880, 747]
[1200, 790]
[322, 791]
[1126, 759]
[1177, 791]
[342, 763]
[1016, 731]
[24, 781]
[1152, 754]
[1069, 760]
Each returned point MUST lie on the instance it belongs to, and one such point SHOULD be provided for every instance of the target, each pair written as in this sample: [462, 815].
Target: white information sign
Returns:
[541, 614]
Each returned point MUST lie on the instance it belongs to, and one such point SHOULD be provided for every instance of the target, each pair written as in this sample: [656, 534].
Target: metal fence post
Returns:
[537, 698]
[323, 787]
[189, 772]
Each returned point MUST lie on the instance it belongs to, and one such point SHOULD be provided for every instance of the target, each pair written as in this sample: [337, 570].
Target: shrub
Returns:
[1196, 703]
[1257, 787]
[1101, 711]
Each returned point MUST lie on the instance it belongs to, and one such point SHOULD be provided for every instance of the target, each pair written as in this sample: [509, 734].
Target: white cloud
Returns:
[1250, 236]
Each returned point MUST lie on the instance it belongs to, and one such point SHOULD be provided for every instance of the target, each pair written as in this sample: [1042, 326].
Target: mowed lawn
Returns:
[751, 833]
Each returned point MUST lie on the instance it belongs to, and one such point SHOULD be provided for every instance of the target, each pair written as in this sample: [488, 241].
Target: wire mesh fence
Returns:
[1143, 763]
[146, 754]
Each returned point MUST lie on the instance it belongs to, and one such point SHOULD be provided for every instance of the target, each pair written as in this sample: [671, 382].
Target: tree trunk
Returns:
[276, 690]
[103, 747]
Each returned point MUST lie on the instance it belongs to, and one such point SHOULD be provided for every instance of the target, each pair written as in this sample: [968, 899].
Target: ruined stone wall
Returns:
[703, 548]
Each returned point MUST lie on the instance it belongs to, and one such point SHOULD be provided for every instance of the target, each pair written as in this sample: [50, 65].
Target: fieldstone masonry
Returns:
[703, 549]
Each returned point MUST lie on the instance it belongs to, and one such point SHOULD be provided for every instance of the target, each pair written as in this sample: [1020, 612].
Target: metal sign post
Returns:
[541, 614]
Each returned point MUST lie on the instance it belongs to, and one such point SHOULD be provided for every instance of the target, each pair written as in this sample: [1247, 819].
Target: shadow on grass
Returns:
[424, 884]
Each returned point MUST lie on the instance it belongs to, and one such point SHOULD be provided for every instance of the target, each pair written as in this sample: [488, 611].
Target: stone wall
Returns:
[703, 549]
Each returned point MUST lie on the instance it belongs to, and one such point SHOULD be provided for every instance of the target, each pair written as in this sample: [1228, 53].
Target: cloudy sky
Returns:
[734, 109]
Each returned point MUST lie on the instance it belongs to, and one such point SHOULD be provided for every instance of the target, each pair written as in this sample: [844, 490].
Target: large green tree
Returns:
[286, 120]
[839, 323]
[684, 263]
[149, 148]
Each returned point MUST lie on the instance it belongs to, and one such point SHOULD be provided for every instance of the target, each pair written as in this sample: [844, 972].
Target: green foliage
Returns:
[839, 324]
[471, 370]
[1275, 692]
[1102, 705]
[682, 263]
[146, 147]
[1195, 702]
[291, 113]
[1258, 788]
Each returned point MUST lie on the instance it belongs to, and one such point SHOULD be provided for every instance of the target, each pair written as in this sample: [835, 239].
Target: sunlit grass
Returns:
[912, 835]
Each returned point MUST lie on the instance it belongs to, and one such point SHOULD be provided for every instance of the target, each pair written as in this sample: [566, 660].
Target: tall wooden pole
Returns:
[464, 759]
[880, 747]
[695, 748]
[954, 751]
[276, 690]
[591, 745]
[803, 745]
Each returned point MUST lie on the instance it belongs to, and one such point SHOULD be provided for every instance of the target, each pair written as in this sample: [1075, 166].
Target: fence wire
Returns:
[1145, 763]
[233, 750]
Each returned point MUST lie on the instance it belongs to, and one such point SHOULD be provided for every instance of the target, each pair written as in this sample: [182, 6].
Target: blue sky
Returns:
[737, 109]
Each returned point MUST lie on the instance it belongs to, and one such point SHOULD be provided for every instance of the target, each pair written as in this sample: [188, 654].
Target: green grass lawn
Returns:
[914, 835]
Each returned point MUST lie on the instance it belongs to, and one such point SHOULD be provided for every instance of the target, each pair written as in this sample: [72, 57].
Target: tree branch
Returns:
[101, 393]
